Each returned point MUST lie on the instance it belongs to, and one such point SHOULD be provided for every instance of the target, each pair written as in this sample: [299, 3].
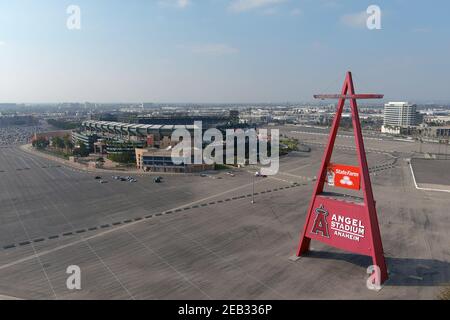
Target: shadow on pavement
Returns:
[403, 271]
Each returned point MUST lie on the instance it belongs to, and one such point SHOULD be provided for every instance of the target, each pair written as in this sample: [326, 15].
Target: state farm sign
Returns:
[340, 224]
[343, 176]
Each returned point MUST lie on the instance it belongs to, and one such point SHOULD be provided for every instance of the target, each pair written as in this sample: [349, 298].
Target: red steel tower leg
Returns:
[304, 240]
[377, 253]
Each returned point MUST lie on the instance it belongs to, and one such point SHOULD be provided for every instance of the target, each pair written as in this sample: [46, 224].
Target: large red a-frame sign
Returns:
[350, 225]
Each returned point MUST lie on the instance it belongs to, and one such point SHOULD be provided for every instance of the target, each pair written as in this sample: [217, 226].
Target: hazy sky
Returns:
[221, 50]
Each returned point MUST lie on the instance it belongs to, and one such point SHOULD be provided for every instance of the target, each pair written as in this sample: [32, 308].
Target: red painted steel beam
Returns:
[349, 96]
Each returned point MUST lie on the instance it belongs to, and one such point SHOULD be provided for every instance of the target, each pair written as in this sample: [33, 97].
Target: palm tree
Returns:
[68, 143]
[58, 143]
[84, 152]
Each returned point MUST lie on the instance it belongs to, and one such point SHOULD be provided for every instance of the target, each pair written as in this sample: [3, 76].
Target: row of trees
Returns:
[123, 157]
[40, 143]
[66, 145]
[63, 145]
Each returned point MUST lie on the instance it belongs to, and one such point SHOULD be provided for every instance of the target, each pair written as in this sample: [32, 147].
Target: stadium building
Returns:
[88, 139]
[147, 144]
[152, 135]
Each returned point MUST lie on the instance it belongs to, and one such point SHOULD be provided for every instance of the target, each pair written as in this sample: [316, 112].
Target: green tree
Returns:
[58, 142]
[121, 157]
[68, 144]
[40, 143]
[82, 150]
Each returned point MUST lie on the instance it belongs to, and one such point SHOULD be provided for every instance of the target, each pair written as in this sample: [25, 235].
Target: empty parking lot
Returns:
[201, 237]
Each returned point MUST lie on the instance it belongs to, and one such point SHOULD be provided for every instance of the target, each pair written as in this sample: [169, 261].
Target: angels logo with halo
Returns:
[320, 223]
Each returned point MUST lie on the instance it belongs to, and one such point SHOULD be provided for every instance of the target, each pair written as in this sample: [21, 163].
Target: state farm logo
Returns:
[320, 225]
[346, 180]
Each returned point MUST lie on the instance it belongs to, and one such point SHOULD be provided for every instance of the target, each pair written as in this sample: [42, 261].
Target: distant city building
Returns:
[18, 120]
[441, 132]
[437, 120]
[209, 119]
[399, 115]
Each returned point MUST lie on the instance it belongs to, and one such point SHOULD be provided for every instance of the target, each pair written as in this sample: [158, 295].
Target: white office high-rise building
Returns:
[400, 114]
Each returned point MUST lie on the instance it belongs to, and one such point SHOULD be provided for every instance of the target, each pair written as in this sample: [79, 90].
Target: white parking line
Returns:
[424, 189]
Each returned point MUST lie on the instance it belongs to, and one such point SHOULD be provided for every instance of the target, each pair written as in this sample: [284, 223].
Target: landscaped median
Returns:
[84, 167]
[70, 163]
[54, 157]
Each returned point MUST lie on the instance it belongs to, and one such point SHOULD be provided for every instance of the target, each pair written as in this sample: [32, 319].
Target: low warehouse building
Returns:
[159, 160]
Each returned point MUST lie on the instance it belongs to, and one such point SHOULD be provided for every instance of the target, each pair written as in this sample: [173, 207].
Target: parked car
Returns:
[157, 180]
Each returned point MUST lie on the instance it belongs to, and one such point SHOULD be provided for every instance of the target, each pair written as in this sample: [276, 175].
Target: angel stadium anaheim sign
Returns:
[346, 227]
[339, 225]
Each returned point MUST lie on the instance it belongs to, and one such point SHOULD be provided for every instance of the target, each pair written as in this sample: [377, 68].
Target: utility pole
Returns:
[446, 148]
[439, 148]
[253, 189]
[420, 145]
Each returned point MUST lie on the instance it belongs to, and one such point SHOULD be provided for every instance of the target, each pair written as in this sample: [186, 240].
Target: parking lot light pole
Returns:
[446, 149]
[253, 189]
